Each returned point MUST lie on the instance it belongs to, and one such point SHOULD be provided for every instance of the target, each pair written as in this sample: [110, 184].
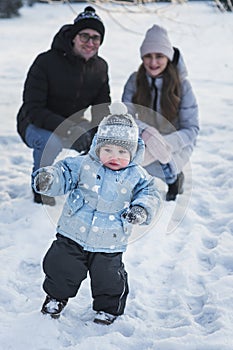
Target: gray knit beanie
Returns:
[119, 128]
[156, 40]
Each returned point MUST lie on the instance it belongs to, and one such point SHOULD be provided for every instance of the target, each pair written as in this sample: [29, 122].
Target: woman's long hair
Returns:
[170, 94]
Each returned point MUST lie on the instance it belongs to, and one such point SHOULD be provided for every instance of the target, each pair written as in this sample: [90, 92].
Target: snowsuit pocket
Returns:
[127, 227]
[74, 203]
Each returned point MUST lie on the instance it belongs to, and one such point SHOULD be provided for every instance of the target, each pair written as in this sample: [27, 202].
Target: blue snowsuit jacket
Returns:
[92, 213]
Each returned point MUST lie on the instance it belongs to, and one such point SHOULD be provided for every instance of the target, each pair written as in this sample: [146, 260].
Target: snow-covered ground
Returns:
[181, 270]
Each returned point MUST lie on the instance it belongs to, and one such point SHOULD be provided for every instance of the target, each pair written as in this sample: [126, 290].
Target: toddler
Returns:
[109, 192]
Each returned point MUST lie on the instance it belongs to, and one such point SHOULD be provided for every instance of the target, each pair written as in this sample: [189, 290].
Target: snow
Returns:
[181, 268]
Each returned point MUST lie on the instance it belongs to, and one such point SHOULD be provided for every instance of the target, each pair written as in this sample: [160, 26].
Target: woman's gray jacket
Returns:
[92, 214]
[182, 136]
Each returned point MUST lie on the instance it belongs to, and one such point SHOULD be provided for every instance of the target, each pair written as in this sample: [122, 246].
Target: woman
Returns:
[161, 98]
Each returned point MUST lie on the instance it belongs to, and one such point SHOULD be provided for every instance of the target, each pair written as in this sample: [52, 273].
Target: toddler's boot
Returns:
[104, 318]
[53, 307]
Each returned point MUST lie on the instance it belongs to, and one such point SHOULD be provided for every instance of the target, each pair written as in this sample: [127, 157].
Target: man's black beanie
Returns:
[88, 19]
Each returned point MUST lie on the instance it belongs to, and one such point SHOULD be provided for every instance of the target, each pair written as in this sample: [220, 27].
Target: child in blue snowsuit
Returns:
[109, 192]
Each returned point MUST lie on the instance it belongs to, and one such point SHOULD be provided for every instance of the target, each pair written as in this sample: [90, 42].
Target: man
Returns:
[60, 85]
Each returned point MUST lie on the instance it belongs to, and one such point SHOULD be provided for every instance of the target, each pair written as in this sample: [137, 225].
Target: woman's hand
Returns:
[156, 146]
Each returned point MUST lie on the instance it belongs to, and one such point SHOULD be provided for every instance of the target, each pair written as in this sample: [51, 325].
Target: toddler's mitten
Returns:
[43, 181]
[135, 215]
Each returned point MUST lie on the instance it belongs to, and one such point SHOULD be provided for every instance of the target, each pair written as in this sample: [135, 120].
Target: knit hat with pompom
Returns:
[88, 19]
[119, 128]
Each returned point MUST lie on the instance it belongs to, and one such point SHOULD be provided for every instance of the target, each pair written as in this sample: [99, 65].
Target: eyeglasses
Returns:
[85, 37]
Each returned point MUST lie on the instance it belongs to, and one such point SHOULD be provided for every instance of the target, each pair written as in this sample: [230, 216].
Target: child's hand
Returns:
[43, 181]
[135, 215]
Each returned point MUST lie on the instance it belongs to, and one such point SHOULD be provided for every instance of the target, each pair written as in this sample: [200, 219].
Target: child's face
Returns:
[114, 157]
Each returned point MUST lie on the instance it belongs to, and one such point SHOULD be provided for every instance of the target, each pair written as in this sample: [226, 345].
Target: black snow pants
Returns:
[66, 265]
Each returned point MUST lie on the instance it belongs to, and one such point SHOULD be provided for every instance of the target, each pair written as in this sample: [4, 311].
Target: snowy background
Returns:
[181, 270]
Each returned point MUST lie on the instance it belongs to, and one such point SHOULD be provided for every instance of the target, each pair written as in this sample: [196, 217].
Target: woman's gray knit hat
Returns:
[119, 128]
[156, 40]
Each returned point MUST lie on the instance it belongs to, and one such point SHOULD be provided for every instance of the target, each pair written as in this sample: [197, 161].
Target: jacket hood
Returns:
[62, 40]
[182, 68]
[137, 159]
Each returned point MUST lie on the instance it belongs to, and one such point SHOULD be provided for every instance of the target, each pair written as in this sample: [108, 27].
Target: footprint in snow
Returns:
[210, 243]
[208, 319]
[207, 261]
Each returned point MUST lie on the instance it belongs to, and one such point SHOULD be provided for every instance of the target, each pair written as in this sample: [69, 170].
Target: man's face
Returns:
[86, 43]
